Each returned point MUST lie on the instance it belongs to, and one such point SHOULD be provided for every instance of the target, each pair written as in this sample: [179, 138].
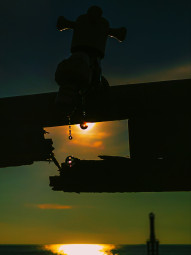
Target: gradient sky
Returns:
[157, 48]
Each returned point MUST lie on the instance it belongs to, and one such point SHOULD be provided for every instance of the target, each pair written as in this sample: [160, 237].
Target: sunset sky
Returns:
[157, 48]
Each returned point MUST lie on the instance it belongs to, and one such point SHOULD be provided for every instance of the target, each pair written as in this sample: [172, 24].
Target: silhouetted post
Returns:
[153, 243]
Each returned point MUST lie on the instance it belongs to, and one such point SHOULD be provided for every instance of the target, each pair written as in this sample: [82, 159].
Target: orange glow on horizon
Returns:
[53, 206]
[76, 249]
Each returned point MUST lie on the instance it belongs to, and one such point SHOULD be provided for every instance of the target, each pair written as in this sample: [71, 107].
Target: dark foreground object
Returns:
[159, 117]
[154, 99]
[124, 175]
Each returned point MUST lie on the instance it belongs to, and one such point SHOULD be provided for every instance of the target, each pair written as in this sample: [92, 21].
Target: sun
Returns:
[90, 126]
[78, 249]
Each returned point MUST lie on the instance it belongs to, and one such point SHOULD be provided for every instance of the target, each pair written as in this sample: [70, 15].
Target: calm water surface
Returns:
[91, 249]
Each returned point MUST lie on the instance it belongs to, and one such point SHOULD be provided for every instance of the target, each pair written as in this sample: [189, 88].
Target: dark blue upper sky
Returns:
[158, 41]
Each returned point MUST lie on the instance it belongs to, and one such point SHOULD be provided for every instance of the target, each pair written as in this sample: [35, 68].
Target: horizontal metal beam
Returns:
[115, 103]
[159, 127]
[124, 175]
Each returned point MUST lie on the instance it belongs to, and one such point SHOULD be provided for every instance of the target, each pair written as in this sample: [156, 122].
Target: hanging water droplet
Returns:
[70, 133]
[70, 128]
[84, 125]
[84, 114]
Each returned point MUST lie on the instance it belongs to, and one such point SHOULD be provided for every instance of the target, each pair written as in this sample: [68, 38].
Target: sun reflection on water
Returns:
[79, 249]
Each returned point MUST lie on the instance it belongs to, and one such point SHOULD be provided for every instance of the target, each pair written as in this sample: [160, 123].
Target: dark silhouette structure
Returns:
[22, 144]
[152, 243]
[159, 116]
[90, 32]
[118, 174]
[81, 72]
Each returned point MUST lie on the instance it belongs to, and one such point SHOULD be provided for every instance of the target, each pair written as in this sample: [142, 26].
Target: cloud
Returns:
[52, 206]
[93, 138]
[167, 73]
[100, 135]
[96, 144]
[93, 133]
[173, 73]
[110, 138]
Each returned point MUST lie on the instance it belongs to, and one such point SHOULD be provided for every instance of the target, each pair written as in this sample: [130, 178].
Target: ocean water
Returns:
[91, 250]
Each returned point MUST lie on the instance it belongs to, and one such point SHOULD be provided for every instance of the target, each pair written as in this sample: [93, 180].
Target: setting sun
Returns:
[76, 249]
[90, 126]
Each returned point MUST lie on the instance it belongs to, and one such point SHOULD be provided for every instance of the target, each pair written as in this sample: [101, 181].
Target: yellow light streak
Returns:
[79, 249]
